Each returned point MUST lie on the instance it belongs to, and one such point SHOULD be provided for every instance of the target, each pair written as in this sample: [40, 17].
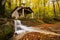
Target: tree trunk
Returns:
[2, 7]
[23, 12]
[54, 9]
[44, 11]
[58, 5]
[32, 16]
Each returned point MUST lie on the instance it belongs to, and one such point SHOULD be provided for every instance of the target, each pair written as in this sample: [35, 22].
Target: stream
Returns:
[23, 29]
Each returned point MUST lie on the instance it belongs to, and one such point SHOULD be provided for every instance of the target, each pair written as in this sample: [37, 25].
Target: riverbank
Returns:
[54, 27]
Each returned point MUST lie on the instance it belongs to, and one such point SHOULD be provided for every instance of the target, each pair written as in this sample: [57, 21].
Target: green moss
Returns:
[6, 30]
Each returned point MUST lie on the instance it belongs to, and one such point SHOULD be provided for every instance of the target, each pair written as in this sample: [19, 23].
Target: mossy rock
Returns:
[6, 32]
[57, 18]
[49, 20]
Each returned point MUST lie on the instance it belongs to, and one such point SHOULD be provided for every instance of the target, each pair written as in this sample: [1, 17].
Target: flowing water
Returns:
[23, 29]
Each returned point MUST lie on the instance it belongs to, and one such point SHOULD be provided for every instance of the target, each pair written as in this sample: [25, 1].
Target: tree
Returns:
[53, 2]
[58, 4]
[2, 7]
[44, 3]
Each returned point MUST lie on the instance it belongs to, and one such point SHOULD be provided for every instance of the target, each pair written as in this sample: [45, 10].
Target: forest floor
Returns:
[50, 27]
